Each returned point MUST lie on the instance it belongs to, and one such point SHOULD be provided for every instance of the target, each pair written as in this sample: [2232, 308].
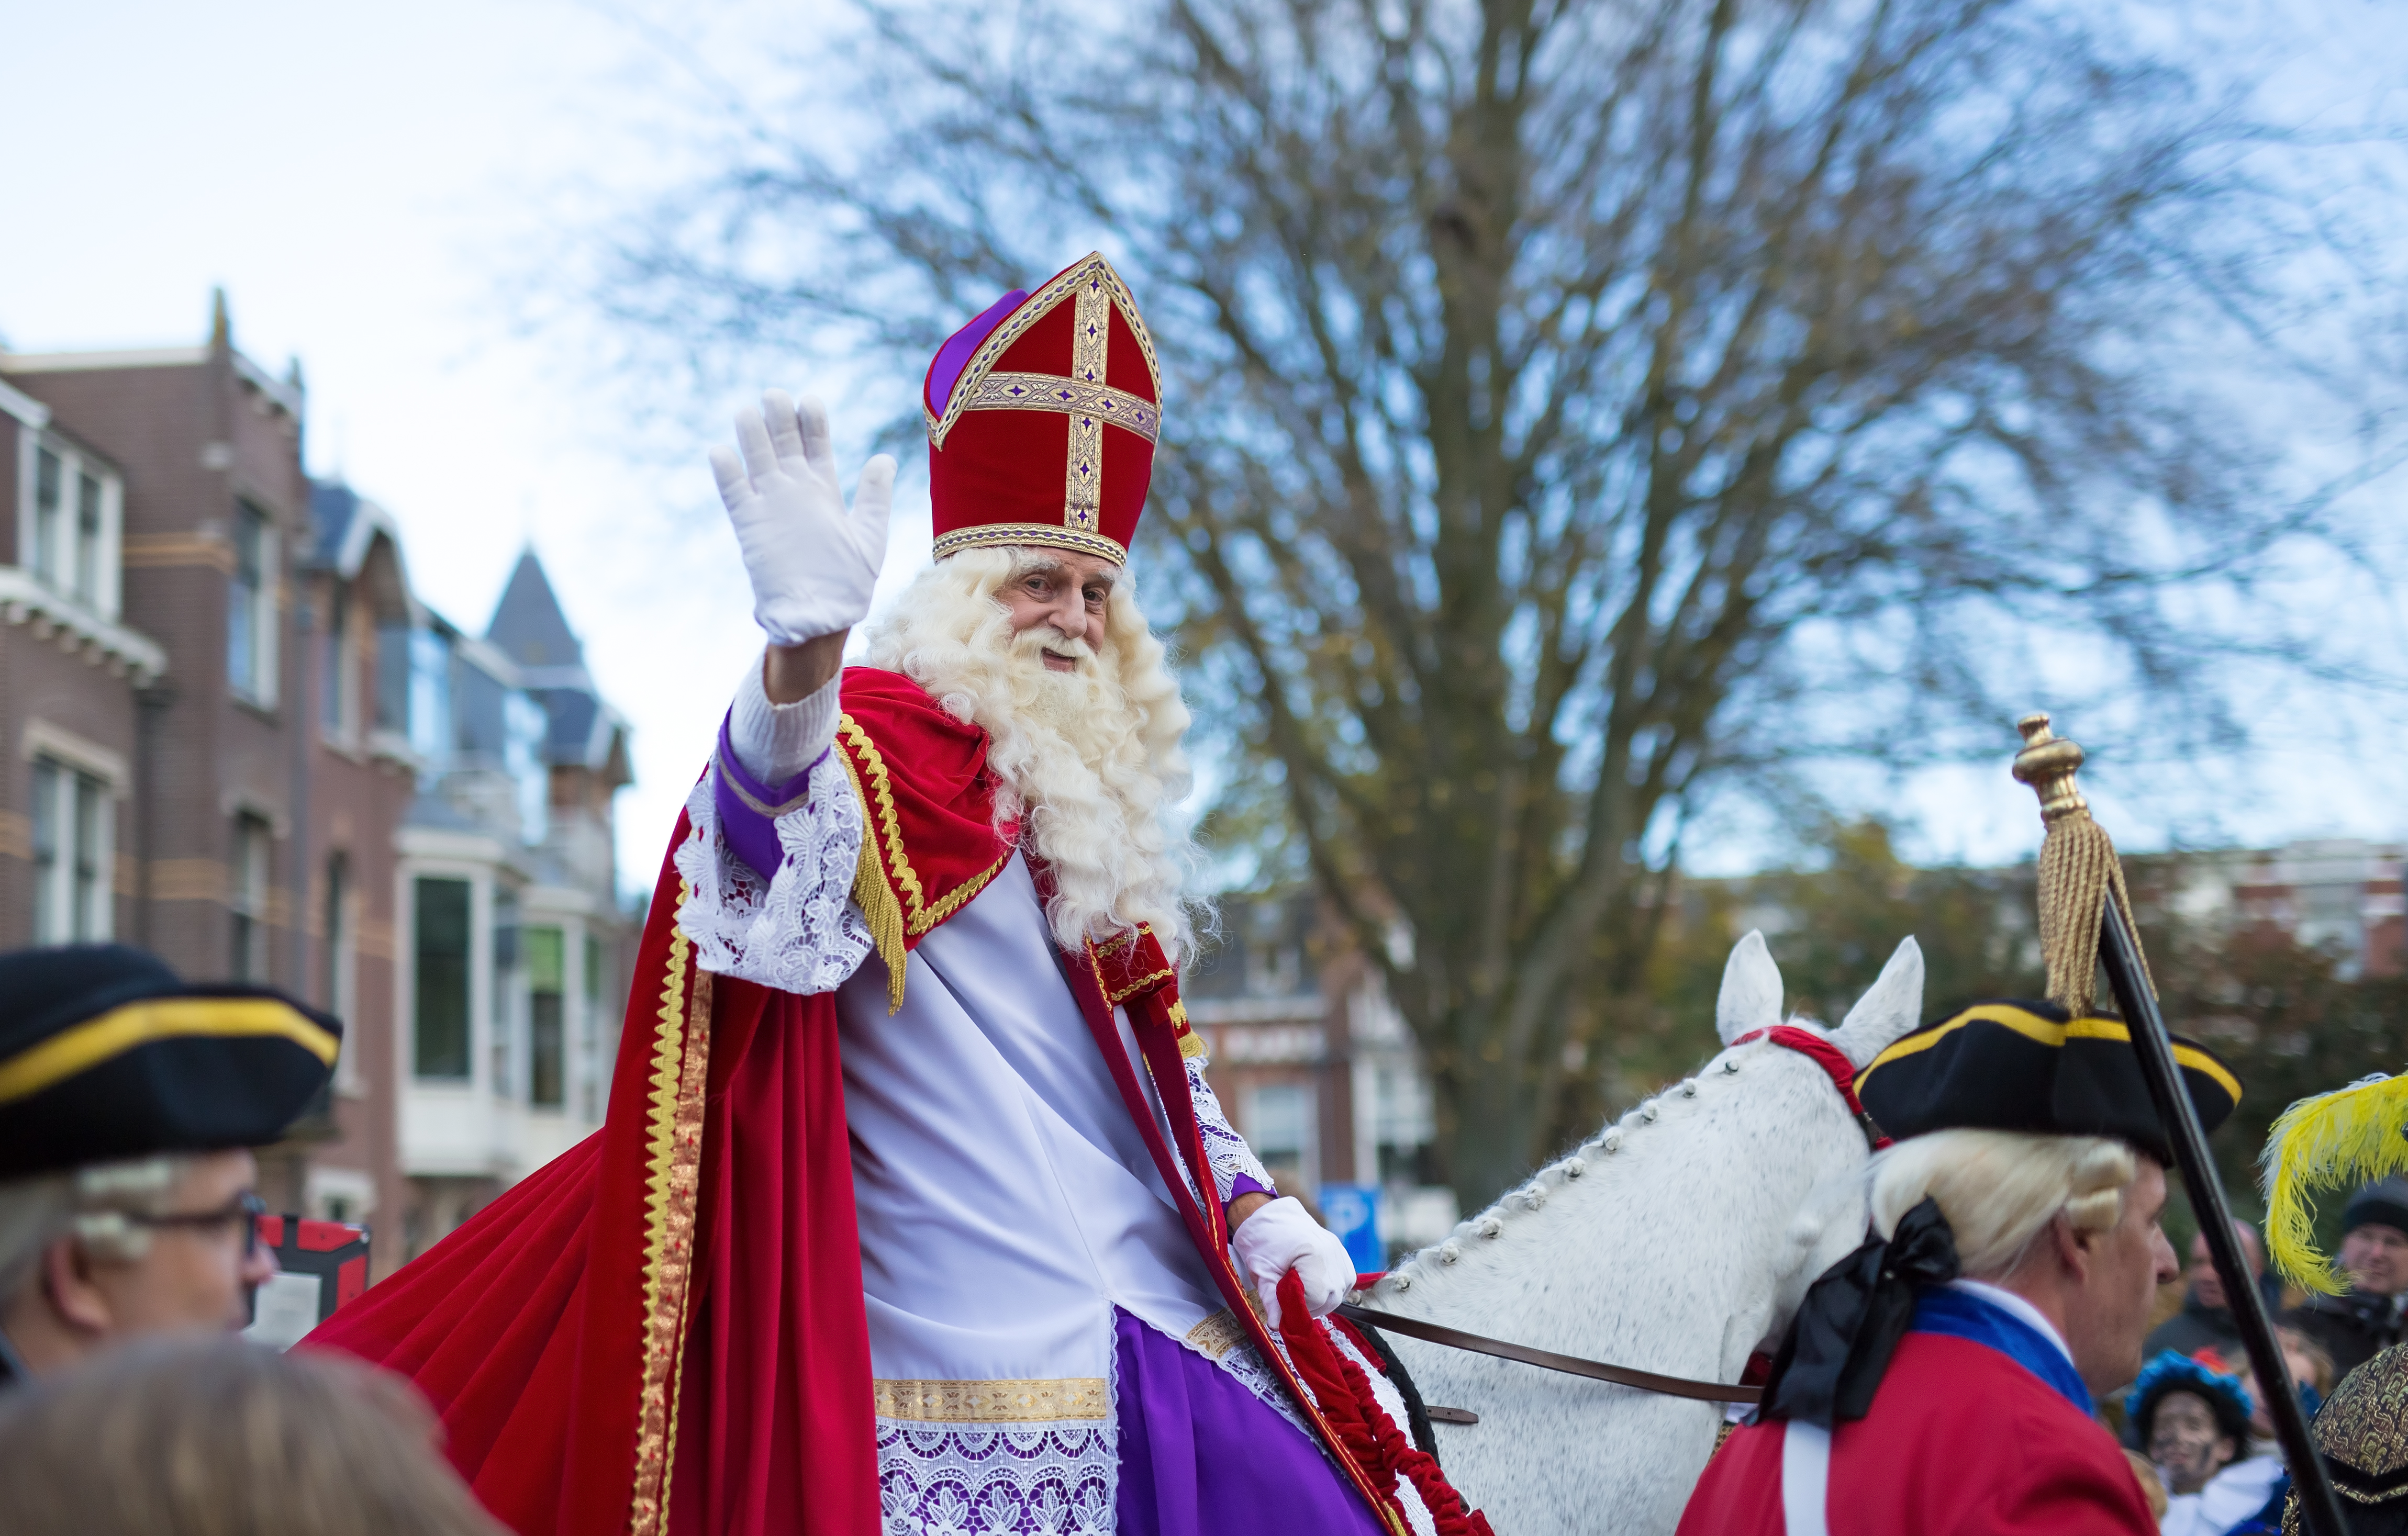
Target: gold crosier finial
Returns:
[2078, 868]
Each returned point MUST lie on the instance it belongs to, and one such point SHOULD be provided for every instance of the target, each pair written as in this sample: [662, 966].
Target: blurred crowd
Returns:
[2198, 1420]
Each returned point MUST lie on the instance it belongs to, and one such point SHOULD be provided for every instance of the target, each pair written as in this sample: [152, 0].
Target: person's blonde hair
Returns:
[1090, 762]
[2000, 1189]
[217, 1437]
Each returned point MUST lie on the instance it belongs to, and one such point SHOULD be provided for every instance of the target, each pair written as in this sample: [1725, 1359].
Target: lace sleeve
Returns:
[797, 931]
[1227, 1151]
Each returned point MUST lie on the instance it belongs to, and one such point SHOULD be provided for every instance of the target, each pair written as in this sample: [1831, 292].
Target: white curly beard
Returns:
[1089, 760]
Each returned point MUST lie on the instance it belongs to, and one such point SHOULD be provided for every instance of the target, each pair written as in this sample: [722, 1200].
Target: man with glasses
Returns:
[129, 1101]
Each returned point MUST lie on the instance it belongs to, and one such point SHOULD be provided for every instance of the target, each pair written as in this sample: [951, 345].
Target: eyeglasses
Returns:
[246, 1208]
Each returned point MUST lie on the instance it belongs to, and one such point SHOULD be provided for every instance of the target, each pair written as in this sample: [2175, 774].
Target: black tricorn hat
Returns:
[2009, 1065]
[105, 1054]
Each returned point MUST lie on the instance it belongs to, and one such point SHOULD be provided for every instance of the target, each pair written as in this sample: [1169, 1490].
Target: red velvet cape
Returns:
[661, 1331]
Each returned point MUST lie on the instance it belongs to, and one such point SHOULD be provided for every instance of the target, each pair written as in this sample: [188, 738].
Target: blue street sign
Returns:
[1353, 1212]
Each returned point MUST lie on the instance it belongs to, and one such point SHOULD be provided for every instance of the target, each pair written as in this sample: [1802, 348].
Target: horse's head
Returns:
[1829, 1221]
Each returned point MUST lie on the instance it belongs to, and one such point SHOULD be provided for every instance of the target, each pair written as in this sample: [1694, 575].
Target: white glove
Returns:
[812, 563]
[1279, 1237]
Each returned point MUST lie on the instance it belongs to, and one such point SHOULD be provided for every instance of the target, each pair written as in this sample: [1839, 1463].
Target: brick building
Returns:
[209, 746]
[1313, 1064]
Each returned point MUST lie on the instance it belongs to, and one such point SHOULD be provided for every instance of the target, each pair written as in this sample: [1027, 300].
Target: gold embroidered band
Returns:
[1083, 476]
[1053, 534]
[1070, 396]
[994, 1401]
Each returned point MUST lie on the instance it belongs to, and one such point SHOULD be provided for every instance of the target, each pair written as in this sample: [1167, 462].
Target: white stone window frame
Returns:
[106, 600]
[76, 758]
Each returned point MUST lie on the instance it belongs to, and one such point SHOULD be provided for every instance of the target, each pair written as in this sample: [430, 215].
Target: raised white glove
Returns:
[1279, 1237]
[812, 563]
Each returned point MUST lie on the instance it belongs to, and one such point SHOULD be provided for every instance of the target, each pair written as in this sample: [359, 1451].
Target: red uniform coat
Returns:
[1961, 1441]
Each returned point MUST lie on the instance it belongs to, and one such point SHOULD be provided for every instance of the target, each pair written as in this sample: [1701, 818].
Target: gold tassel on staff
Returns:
[2078, 869]
[2085, 919]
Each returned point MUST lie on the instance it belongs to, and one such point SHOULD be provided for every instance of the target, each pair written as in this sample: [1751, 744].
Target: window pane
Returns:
[243, 600]
[87, 544]
[247, 896]
[334, 688]
[85, 912]
[338, 880]
[547, 1079]
[392, 678]
[1278, 1119]
[441, 1046]
[48, 927]
[547, 1015]
[42, 558]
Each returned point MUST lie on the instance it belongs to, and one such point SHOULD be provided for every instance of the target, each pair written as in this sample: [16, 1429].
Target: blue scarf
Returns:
[1962, 1314]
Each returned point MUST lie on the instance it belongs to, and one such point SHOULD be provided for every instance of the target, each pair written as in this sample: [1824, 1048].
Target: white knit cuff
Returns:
[775, 741]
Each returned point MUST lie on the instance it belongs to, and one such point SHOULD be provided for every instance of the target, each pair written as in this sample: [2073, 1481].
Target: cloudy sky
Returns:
[394, 195]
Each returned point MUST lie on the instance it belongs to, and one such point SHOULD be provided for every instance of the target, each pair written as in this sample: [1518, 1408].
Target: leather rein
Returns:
[1835, 1065]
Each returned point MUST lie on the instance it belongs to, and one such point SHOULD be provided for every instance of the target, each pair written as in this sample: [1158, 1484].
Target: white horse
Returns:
[1678, 1241]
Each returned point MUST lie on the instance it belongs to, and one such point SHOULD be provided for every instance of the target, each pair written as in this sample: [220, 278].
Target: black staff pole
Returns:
[2119, 952]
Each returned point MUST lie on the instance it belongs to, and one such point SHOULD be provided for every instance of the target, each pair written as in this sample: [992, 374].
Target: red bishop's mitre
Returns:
[1042, 417]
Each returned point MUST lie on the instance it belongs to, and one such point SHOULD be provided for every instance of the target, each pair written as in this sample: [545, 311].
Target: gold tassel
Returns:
[2350, 1136]
[2079, 871]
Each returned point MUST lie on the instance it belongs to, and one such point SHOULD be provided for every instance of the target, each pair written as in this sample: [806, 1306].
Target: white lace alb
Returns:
[1053, 1479]
[801, 933]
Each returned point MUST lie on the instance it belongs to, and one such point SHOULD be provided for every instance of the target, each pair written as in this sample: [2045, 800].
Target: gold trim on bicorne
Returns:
[680, 1071]
[895, 906]
[1216, 1335]
[994, 1401]
[122, 1029]
[2048, 1031]
[1080, 275]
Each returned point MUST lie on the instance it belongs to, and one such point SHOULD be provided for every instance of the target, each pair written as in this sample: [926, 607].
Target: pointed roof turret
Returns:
[530, 628]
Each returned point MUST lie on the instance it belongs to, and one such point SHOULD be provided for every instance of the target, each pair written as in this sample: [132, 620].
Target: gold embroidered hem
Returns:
[994, 1401]
[1216, 1335]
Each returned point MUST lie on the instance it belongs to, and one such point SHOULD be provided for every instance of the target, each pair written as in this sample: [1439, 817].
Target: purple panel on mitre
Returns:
[749, 809]
[954, 355]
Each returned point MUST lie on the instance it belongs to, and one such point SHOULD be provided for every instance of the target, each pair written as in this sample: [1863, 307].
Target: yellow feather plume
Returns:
[2351, 1136]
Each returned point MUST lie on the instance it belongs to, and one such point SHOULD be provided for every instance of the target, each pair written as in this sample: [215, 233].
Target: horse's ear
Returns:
[1888, 1011]
[1751, 995]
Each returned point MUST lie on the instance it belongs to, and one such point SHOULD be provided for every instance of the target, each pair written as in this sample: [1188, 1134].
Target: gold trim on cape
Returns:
[1025, 1401]
[894, 906]
[681, 1073]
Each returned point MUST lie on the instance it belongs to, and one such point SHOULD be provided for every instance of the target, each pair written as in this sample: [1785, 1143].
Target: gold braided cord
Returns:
[2078, 873]
[2349, 1137]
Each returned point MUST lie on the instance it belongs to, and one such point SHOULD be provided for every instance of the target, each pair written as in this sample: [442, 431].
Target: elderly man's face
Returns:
[196, 1275]
[2186, 1442]
[1066, 593]
[2376, 1258]
[2120, 1273]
